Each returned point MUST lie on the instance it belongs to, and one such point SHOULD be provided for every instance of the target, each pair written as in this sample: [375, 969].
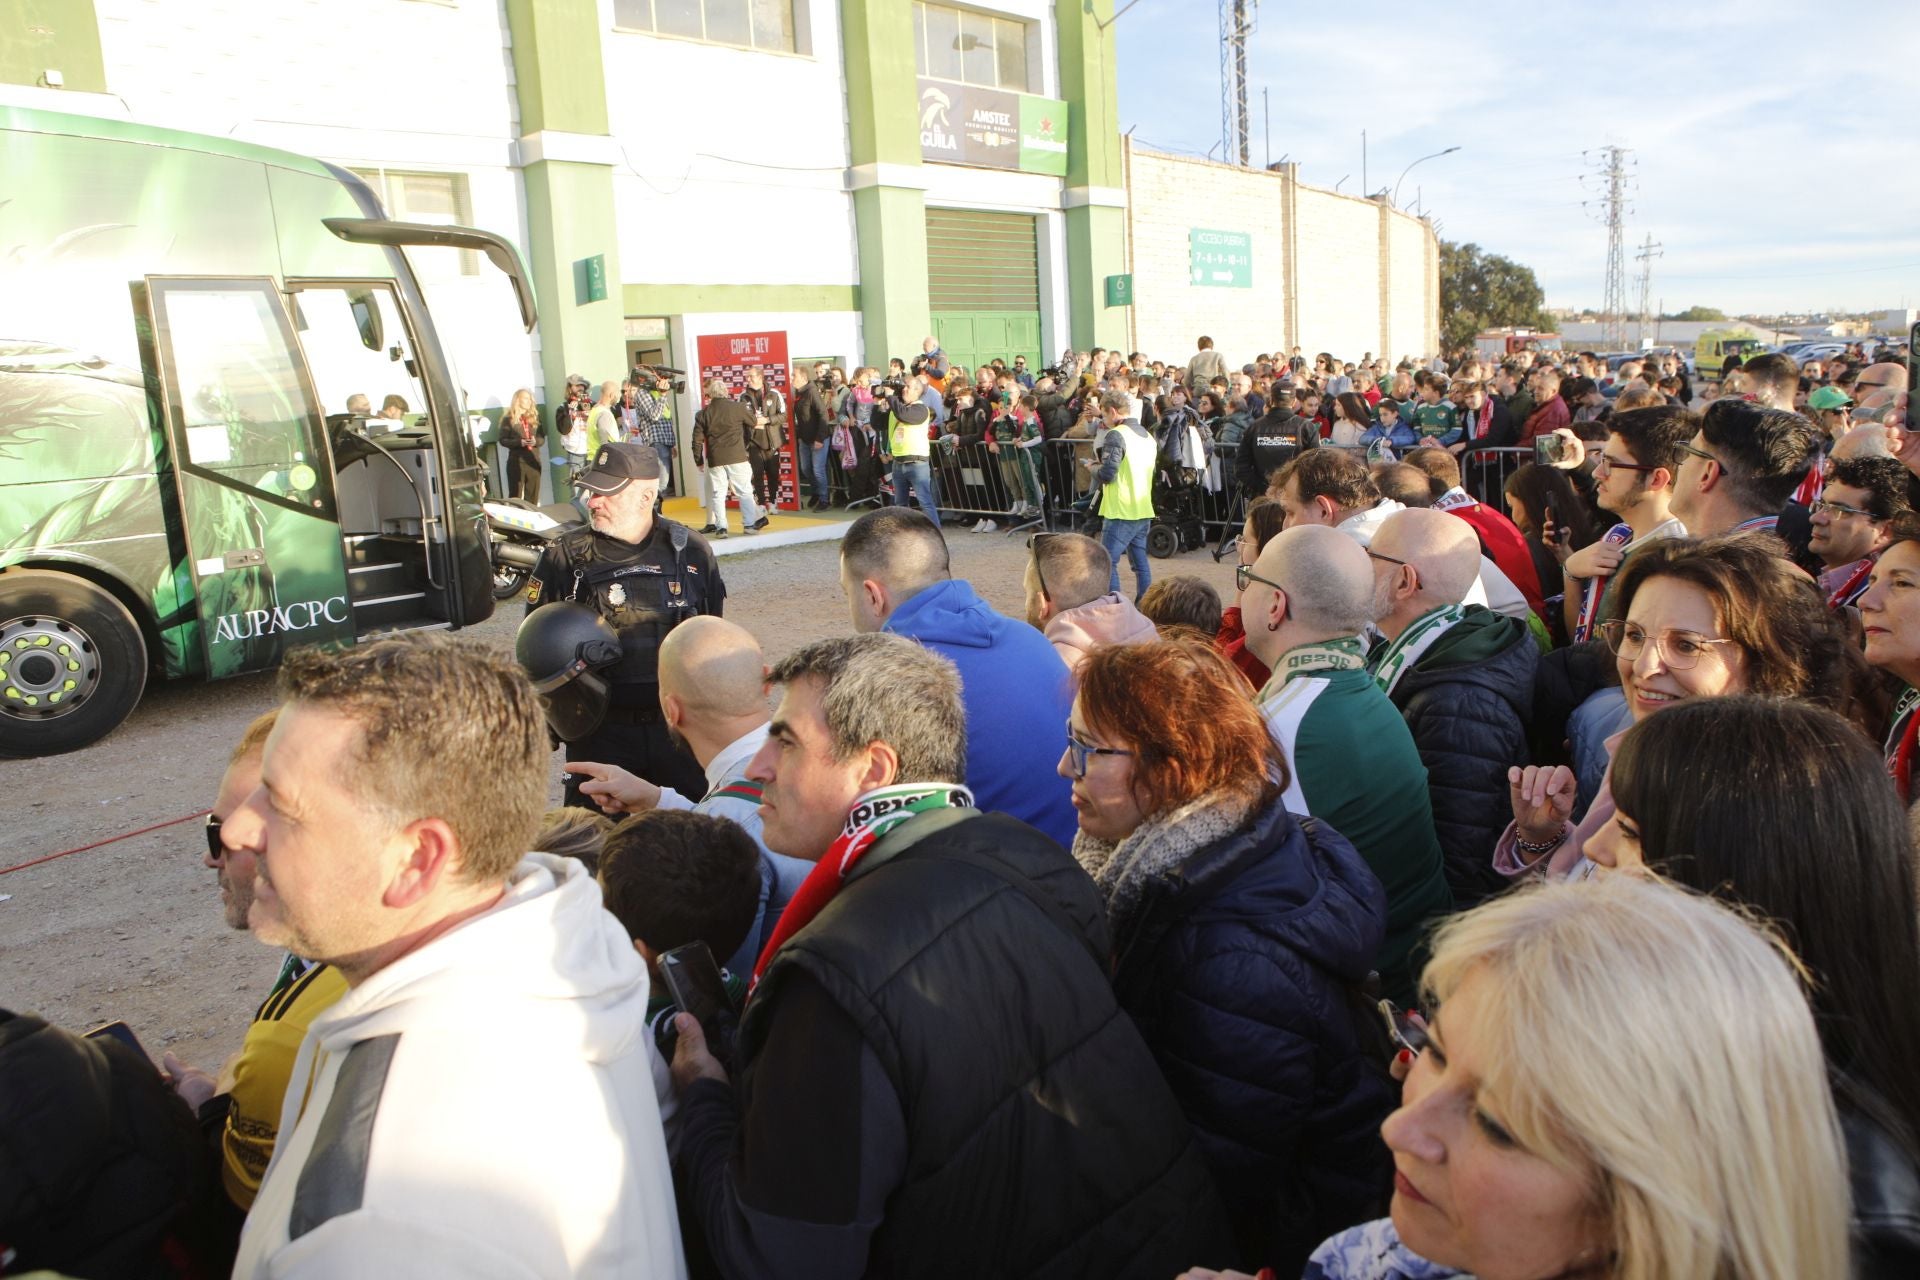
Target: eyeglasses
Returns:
[215, 849]
[1678, 650]
[1243, 574]
[1078, 751]
[1375, 555]
[1701, 454]
[1836, 509]
[1606, 463]
[1870, 386]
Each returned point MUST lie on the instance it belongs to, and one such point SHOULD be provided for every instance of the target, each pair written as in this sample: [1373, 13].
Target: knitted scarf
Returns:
[873, 815]
[1412, 644]
[1155, 849]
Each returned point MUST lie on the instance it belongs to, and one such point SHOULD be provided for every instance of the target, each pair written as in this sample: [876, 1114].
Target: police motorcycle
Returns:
[520, 532]
[567, 650]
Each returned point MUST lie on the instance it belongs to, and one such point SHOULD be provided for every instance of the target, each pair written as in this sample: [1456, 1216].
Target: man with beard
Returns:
[245, 1102]
[645, 575]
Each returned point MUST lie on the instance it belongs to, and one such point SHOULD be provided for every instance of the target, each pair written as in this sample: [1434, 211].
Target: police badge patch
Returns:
[673, 585]
[533, 592]
[616, 595]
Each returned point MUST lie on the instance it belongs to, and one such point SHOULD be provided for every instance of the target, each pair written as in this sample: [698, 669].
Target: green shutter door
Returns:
[983, 285]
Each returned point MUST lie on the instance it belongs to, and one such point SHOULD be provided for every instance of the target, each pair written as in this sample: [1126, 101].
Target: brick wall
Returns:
[1349, 284]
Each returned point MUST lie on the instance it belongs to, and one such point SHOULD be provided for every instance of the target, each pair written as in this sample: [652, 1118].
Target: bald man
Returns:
[1462, 679]
[714, 700]
[1351, 759]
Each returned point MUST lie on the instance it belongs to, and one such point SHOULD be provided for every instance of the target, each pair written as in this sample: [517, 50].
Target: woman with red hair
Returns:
[1241, 936]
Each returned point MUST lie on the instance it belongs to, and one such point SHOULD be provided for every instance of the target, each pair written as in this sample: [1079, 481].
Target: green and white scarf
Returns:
[1412, 644]
[1322, 656]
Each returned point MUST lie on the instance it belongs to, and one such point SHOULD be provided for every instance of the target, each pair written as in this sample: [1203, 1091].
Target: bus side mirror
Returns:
[366, 318]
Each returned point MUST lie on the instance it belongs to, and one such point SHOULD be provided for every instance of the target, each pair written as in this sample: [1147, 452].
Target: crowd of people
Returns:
[1512, 879]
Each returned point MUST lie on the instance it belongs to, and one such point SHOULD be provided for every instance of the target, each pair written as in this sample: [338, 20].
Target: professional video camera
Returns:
[677, 378]
[889, 389]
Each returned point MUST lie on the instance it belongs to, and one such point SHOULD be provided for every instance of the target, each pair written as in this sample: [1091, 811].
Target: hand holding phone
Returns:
[693, 980]
[118, 1030]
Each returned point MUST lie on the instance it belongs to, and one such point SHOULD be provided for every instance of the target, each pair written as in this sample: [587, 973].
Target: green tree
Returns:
[1481, 290]
[1699, 313]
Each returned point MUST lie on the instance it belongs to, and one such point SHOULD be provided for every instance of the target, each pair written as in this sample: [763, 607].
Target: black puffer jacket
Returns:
[1468, 701]
[101, 1164]
[1040, 1137]
[1243, 968]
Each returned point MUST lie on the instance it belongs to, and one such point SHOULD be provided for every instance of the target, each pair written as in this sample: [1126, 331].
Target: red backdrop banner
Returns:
[728, 356]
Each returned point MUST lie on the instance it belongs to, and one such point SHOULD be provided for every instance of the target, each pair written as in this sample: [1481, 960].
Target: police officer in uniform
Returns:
[1276, 439]
[645, 574]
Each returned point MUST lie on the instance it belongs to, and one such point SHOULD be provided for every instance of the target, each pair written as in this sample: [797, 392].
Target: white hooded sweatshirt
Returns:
[484, 1106]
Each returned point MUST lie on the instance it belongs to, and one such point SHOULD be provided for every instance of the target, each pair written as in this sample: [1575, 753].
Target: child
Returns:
[1390, 435]
[673, 877]
[1436, 421]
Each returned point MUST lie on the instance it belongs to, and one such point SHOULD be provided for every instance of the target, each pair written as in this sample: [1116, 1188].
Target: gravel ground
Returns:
[133, 929]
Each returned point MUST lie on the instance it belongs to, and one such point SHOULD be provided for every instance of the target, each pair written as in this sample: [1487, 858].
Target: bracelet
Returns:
[1534, 849]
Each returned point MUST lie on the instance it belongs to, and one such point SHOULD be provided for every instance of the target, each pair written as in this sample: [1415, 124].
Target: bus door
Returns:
[250, 468]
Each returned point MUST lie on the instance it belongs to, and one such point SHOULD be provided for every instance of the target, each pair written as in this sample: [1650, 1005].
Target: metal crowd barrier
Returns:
[1484, 471]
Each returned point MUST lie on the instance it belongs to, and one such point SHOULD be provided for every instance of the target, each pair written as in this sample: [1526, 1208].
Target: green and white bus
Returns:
[190, 482]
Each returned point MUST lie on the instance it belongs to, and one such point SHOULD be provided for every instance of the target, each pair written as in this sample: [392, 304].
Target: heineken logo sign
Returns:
[301, 615]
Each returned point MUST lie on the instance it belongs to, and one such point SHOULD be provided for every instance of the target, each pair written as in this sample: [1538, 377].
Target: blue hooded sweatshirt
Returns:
[1017, 695]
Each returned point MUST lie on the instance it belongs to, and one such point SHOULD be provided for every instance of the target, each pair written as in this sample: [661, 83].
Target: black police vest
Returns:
[642, 597]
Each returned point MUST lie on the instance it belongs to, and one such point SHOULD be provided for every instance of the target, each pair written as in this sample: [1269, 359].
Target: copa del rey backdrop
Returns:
[728, 356]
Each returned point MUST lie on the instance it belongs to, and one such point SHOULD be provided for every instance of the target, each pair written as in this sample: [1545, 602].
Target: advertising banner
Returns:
[992, 128]
[728, 356]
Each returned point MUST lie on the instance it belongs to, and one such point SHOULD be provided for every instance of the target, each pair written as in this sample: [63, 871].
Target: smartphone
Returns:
[1550, 450]
[1401, 1028]
[124, 1034]
[694, 982]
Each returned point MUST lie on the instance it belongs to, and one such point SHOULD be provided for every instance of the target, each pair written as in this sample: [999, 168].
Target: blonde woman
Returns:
[1623, 1081]
[520, 437]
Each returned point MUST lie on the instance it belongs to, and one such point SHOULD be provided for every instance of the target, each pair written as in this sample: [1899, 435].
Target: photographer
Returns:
[909, 442]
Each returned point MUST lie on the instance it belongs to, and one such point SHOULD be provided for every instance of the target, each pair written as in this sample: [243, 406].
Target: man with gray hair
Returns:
[1017, 693]
[1304, 602]
[1461, 676]
[934, 1001]
[720, 434]
[400, 787]
[1068, 601]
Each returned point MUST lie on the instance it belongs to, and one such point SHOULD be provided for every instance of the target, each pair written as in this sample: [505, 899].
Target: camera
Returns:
[651, 377]
[890, 389]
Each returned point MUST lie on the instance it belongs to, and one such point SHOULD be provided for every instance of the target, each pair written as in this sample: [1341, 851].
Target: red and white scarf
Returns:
[873, 815]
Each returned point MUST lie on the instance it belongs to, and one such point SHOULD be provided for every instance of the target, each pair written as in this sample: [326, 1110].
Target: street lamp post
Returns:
[1409, 169]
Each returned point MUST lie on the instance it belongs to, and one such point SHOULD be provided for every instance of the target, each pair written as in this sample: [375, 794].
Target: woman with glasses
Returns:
[1727, 796]
[1265, 518]
[1692, 619]
[1241, 939]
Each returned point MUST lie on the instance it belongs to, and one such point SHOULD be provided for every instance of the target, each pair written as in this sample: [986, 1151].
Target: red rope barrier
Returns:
[171, 822]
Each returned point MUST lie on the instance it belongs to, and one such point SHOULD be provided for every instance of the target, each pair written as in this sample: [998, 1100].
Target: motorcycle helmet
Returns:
[564, 648]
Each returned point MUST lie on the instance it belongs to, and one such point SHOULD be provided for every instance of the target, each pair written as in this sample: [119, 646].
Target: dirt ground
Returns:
[133, 929]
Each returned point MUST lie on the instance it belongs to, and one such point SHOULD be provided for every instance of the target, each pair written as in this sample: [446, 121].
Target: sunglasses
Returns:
[1033, 550]
[215, 849]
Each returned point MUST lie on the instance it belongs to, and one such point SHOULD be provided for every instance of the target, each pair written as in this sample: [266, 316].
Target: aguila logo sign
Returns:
[935, 121]
[301, 615]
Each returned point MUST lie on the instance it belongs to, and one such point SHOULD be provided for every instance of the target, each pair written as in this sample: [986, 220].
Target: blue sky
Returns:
[1777, 144]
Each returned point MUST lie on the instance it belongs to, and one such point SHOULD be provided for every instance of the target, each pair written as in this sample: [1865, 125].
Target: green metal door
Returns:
[983, 285]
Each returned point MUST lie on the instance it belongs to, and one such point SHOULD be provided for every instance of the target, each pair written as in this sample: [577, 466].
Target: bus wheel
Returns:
[72, 663]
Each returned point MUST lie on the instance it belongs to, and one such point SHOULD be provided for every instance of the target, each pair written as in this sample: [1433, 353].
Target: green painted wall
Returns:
[892, 227]
[1096, 235]
[570, 212]
[59, 35]
[556, 62]
[883, 124]
[1087, 81]
[692, 299]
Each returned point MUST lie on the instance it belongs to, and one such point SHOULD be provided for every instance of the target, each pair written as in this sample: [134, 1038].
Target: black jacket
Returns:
[934, 1079]
[1269, 444]
[1468, 701]
[102, 1166]
[1502, 430]
[1885, 1186]
[810, 424]
[720, 433]
[1243, 969]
